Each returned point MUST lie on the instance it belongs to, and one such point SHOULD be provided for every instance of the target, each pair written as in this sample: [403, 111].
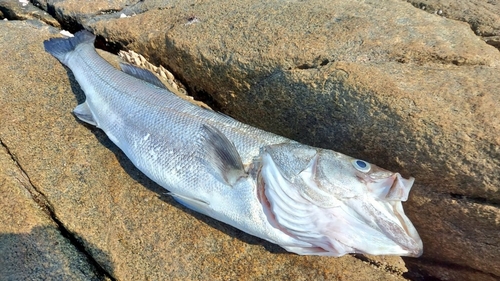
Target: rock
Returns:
[31, 243]
[384, 82]
[125, 222]
[493, 41]
[410, 91]
[482, 16]
[24, 10]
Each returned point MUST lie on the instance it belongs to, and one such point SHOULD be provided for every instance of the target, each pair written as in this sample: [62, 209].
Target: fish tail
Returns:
[61, 47]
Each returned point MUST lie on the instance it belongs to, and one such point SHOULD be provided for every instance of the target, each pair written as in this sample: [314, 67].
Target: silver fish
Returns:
[308, 200]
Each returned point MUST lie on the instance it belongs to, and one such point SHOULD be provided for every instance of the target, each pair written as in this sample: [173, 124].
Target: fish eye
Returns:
[361, 165]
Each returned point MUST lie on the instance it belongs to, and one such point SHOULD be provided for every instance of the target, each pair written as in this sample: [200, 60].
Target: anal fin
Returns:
[82, 111]
[222, 156]
[191, 203]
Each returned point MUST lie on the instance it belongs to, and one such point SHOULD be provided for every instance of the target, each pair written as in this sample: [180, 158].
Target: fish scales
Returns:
[307, 200]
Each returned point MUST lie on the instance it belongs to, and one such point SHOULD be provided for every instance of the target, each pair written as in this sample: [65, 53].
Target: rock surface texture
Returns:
[412, 87]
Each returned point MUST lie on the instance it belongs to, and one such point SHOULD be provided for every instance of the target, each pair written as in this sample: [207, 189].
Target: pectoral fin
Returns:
[221, 155]
[142, 74]
[82, 111]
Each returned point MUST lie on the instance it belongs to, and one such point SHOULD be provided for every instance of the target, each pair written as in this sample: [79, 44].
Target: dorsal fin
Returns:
[142, 74]
[221, 155]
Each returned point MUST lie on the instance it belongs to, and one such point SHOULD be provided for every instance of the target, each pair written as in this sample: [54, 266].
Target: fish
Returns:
[307, 200]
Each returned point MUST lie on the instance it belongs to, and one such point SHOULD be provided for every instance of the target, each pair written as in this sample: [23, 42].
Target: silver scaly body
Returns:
[307, 200]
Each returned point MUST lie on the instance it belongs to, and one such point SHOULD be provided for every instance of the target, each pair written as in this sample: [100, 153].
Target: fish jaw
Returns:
[364, 221]
[387, 185]
[388, 231]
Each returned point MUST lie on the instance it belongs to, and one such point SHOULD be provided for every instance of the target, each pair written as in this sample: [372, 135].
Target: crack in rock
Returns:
[44, 204]
[422, 262]
[382, 266]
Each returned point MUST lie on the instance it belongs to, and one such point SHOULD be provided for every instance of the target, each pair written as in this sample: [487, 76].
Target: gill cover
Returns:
[318, 196]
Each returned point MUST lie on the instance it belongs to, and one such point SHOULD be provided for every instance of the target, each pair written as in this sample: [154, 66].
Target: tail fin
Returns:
[60, 47]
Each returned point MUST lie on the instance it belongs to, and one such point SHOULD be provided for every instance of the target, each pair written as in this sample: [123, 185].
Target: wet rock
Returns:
[125, 222]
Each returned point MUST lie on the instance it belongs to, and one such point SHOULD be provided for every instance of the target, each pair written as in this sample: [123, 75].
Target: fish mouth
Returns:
[396, 189]
[388, 186]
[406, 235]
[383, 213]
[416, 247]
[400, 188]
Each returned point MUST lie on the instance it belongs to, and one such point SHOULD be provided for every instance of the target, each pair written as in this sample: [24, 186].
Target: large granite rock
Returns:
[24, 10]
[482, 16]
[32, 245]
[385, 81]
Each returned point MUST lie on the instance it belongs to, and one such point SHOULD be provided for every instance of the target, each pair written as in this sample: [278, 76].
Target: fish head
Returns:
[335, 202]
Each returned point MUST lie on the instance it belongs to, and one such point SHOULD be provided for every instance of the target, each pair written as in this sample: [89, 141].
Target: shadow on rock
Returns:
[46, 254]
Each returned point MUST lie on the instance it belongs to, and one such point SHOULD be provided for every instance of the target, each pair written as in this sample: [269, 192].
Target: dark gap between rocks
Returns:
[67, 22]
[201, 95]
[45, 205]
[478, 200]
[108, 12]
[417, 273]
[384, 267]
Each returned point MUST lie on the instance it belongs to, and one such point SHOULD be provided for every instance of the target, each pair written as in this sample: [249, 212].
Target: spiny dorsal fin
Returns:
[221, 155]
[142, 74]
[82, 111]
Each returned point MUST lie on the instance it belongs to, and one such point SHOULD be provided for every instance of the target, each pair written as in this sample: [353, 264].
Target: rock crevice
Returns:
[45, 205]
